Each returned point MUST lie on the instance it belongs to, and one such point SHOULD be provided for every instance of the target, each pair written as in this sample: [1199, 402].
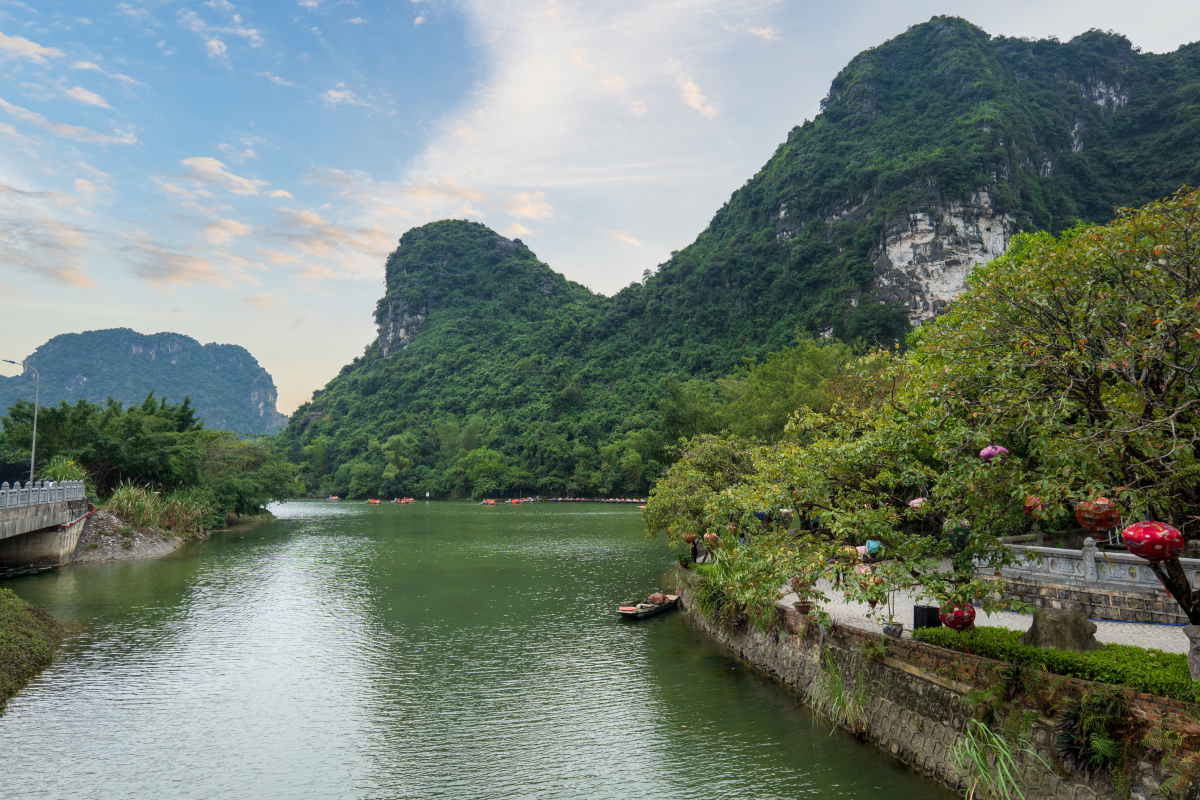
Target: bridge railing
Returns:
[39, 492]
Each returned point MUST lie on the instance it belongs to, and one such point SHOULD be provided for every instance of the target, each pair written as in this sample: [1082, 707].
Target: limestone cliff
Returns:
[228, 387]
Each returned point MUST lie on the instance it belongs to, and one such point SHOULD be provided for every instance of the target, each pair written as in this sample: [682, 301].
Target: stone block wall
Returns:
[1098, 603]
[916, 711]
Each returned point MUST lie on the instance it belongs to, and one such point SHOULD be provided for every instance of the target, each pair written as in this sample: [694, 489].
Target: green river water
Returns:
[424, 651]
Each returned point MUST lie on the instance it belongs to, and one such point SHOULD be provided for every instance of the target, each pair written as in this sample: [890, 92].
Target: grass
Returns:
[1146, 670]
[28, 638]
[989, 762]
[843, 702]
[188, 513]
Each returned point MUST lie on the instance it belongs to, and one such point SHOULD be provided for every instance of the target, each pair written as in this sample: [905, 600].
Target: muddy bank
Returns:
[109, 538]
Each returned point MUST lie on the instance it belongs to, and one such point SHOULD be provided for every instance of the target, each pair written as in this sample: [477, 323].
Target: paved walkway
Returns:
[1169, 638]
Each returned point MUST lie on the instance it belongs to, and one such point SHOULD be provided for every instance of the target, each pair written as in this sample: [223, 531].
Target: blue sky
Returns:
[238, 172]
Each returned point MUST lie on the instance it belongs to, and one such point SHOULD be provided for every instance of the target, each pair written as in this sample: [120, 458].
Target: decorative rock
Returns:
[1062, 629]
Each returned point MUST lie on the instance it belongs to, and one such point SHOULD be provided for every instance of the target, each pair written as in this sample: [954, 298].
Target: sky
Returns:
[238, 172]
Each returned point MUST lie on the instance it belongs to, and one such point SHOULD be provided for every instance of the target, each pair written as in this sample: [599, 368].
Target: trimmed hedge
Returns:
[28, 638]
[1145, 670]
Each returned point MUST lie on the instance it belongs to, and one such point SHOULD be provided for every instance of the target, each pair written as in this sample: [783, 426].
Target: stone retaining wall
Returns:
[917, 691]
[1095, 602]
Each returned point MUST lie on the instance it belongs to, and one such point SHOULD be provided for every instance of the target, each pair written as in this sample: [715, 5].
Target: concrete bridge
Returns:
[40, 525]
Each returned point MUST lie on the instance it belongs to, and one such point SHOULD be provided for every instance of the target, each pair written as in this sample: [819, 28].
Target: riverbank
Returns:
[109, 538]
[915, 701]
[29, 637]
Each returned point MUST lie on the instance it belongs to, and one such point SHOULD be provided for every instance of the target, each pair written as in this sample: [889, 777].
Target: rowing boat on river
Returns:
[649, 609]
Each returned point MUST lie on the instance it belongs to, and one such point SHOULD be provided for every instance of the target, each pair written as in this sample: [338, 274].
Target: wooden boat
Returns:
[648, 609]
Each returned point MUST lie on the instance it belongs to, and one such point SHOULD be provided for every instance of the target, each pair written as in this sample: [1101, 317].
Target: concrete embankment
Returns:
[916, 711]
[29, 637]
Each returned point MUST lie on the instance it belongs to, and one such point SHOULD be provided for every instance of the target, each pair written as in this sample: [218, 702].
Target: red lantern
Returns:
[1100, 514]
[689, 538]
[1153, 541]
[1034, 506]
[711, 540]
[957, 618]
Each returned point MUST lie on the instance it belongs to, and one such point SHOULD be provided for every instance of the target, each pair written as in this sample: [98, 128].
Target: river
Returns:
[422, 651]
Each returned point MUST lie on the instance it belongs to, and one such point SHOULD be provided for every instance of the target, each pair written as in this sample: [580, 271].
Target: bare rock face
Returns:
[399, 325]
[926, 255]
[1060, 629]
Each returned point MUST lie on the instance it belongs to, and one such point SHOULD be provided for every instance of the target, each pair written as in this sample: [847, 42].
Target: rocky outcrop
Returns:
[398, 325]
[926, 255]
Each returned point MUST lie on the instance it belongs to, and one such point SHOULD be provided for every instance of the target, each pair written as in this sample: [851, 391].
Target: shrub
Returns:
[1145, 670]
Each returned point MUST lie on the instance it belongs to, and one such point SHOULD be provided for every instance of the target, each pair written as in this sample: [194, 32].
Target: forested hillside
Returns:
[492, 372]
[228, 388]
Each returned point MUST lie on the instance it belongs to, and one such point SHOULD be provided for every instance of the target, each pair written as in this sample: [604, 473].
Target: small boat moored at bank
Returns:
[654, 604]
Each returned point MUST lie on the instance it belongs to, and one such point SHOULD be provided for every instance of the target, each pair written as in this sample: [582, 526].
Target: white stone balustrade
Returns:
[1092, 567]
[39, 493]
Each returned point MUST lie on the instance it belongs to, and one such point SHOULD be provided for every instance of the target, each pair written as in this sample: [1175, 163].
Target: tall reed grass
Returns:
[185, 512]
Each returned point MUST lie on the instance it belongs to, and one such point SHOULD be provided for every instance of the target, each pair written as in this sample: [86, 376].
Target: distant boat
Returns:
[649, 609]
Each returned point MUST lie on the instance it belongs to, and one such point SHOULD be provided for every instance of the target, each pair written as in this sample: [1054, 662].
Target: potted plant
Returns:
[801, 587]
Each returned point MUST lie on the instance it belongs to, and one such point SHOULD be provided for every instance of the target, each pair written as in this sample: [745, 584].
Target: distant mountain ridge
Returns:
[931, 151]
[228, 387]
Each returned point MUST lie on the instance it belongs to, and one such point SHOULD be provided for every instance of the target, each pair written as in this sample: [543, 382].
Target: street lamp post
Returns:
[37, 388]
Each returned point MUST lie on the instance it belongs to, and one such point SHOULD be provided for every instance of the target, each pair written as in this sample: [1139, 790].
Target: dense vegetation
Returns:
[201, 477]
[227, 387]
[1065, 371]
[1144, 670]
[28, 638]
[510, 378]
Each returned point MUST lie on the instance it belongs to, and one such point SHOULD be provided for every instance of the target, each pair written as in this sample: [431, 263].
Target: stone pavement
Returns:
[1169, 638]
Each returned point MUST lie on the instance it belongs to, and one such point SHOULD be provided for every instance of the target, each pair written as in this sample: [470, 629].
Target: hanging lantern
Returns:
[1100, 514]
[991, 451]
[957, 617]
[689, 538]
[916, 504]
[1153, 541]
[1034, 507]
[711, 540]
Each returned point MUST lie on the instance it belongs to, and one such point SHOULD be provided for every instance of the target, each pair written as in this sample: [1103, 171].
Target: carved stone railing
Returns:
[1091, 568]
[40, 493]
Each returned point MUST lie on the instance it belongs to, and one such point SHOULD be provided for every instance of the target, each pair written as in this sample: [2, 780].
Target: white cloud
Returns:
[19, 47]
[235, 155]
[223, 230]
[127, 79]
[86, 65]
[689, 90]
[210, 171]
[357, 21]
[161, 266]
[266, 301]
[529, 205]
[309, 4]
[343, 96]
[67, 131]
[216, 49]
[766, 34]
[275, 79]
[82, 95]
[420, 18]
[620, 237]
[516, 229]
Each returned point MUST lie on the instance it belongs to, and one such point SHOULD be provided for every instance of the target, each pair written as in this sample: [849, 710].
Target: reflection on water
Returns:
[434, 650]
